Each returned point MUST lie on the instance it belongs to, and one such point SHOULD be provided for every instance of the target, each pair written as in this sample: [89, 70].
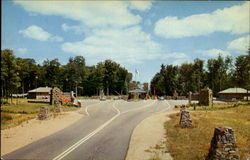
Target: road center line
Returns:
[139, 108]
[84, 139]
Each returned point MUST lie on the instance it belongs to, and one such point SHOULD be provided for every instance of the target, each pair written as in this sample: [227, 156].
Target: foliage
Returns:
[217, 75]
[19, 75]
[242, 71]
[10, 79]
[220, 74]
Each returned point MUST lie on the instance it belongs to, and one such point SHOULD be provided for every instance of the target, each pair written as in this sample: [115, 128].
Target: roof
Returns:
[41, 89]
[137, 91]
[234, 90]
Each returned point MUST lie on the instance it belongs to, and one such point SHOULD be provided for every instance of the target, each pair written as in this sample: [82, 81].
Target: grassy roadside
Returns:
[193, 143]
[15, 114]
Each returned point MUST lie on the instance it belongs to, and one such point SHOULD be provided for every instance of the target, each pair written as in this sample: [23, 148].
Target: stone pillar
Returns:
[206, 97]
[223, 145]
[56, 99]
[185, 119]
[44, 113]
[57, 107]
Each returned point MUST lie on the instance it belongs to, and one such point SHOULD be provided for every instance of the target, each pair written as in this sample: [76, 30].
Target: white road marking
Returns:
[139, 108]
[77, 144]
[165, 109]
[84, 139]
[86, 109]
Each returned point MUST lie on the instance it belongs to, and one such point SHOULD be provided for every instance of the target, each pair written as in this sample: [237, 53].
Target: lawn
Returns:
[15, 114]
[193, 143]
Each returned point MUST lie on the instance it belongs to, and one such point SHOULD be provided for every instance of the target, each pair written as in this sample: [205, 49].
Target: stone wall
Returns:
[44, 113]
[206, 97]
[223, 145]
[185, 119]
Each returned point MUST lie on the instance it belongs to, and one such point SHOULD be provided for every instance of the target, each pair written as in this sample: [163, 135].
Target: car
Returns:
[161, 98]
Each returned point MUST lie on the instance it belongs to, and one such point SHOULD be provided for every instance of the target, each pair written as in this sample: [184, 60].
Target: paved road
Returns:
[102, 135]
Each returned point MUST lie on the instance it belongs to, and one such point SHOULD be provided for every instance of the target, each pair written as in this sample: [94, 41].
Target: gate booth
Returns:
[136, 94]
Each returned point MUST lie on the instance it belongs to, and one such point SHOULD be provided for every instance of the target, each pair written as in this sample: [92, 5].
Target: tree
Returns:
[52, 72]
[242, 71]
[165, 82]
[199, 74]
[74, 72]
[27, 73]
[10, 80]
[218, 73]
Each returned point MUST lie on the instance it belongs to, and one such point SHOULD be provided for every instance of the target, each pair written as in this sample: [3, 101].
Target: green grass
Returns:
[13, 115]
[193, 143]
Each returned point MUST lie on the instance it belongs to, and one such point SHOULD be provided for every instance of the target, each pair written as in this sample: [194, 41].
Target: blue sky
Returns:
[137, 34]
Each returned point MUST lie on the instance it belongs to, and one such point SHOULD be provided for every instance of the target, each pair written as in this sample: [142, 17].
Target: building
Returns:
[137, 94]
[39, 93]
[233, 93]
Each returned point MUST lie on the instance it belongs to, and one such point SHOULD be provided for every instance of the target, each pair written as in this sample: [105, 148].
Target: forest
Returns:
[19, 75]
[218, 74]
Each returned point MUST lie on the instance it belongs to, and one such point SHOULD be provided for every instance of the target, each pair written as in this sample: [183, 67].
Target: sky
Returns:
[139, 35]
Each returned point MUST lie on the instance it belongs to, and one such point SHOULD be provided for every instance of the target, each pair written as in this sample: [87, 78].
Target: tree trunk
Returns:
[11, 97]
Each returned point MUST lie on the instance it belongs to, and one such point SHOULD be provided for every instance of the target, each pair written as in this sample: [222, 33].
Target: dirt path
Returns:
[147, 140]
[33, 130]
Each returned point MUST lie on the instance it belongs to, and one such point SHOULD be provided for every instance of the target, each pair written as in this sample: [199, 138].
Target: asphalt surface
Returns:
[104, 134]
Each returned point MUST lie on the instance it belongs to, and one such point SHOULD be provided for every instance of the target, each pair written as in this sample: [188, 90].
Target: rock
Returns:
[206, 97]
[56, 99]
[185, 119]
[223, 145]
[44, 113]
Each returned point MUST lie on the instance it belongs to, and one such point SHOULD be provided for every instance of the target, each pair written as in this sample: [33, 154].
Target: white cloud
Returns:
[240, 44]
[214, 53]
[38, 33]
[130, 45]
[56, 39]
[140, 5]
[176, 55]
[76, 29]
[234, 20]
[22, 50]
[90, 13]
[35, 32]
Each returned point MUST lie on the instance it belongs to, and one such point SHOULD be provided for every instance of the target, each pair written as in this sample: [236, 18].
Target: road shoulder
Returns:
[147, 138]
[33, 130]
